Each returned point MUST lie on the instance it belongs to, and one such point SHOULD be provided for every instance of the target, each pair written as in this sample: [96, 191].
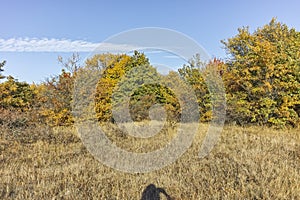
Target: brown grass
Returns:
[247, 163]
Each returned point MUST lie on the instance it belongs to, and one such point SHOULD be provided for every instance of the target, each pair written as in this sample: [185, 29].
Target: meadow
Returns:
[255, 162]
[255, 89]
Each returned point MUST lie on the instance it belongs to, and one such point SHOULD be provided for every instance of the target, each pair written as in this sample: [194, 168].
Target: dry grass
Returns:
[247, 163]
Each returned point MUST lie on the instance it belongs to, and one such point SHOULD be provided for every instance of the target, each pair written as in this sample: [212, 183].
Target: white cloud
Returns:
[58, 45]
[172, 56]
[154, 51]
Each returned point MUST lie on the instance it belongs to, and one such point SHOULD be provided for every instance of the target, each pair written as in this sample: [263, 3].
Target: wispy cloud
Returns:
[172, 56]
[58, 45]
[154, 51]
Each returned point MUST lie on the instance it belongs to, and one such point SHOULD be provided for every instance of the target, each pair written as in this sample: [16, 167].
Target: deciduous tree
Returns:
[262, 76]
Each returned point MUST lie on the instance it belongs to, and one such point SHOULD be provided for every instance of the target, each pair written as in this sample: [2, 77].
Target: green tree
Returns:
[146, 88]
[262, 75]
[1, 69]
[133, 77]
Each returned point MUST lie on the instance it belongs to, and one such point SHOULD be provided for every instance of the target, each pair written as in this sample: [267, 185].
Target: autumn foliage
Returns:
[261, 77]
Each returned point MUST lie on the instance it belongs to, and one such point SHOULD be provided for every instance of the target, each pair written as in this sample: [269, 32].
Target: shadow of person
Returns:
[152, 193]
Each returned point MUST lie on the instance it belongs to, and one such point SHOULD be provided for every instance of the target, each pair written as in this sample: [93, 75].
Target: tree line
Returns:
[261, 77]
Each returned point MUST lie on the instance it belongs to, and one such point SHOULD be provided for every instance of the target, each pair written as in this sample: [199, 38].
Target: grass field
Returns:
[247, 163]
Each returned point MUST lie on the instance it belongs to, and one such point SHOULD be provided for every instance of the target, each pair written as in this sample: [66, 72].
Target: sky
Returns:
[34, 33]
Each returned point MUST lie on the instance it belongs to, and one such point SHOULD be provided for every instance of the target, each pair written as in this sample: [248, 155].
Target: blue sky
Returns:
[73, 26]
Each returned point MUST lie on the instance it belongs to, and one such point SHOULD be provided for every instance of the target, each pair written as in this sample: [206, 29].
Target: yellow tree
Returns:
[16, 102]
[55, 95]
[114, 68]
[262, 75]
